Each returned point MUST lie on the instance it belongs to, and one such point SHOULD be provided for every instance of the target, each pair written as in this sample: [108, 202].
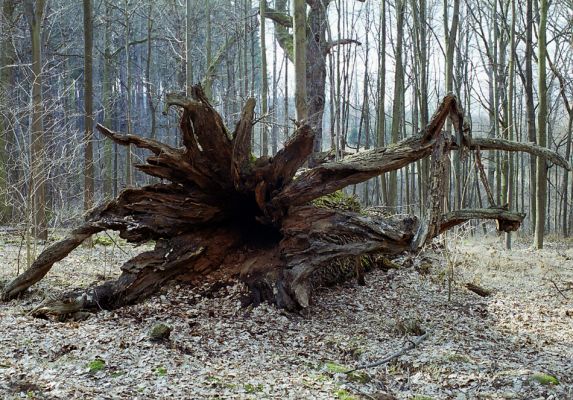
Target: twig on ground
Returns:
[412, 344]
[559, 290]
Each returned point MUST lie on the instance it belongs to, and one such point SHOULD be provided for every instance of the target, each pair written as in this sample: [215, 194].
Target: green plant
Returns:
[545, 379]
[359, 377]
[335, 368]
[342, 394]
[160, 371]
[250, 388]
[103, 240]
[338, 200]
[96, 365]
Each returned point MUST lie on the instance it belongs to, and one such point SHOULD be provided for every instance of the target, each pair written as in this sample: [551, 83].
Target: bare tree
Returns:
[541, 201]
[34, 11]
[89, 185]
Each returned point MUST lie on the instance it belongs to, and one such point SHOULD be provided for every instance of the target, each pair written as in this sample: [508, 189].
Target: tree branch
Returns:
[341, 42]
[279, 17]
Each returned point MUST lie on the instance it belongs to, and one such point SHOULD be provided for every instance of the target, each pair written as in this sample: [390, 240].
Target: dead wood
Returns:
[480, 291]
[412, 344]
[225, 214]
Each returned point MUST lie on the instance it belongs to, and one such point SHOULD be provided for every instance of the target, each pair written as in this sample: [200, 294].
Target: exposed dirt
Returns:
[479, 348]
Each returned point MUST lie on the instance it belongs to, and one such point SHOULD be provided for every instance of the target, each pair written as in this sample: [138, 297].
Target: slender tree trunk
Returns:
[274, 129]
[264, 82]
[300, 94]
[188, 46]
[286, 100]
[7, 57]
[209, 52]
[107, 106]
[451, 34]
[35, 15]
[530, 107]
[88, 105]
[381, 115]
[421, 58]
[397, 100]
[128, 167]
[510, 120]
[148, 62]
[541, 200]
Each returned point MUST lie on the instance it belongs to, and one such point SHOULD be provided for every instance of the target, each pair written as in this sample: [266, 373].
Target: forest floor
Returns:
[479, 348]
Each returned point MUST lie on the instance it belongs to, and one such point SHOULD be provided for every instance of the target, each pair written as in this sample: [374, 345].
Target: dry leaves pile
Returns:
[489, 348]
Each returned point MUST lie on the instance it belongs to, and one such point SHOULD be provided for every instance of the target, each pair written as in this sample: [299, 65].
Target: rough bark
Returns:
[224, 214]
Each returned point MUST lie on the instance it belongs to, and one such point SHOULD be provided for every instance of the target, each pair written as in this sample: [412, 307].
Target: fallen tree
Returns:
[222, 213]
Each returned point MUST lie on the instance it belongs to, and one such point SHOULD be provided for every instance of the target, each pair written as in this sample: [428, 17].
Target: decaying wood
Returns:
[223, 213]
[483, 177]
[507, 221]
[478, 290]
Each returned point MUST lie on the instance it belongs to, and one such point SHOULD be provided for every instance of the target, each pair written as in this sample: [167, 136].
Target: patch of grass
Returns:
[342, 394]
[334, 368]
[545, 379]
[160, 371]
[96, 365]
[421, 397]
[103, 240]
[250, 388]
[357, 376]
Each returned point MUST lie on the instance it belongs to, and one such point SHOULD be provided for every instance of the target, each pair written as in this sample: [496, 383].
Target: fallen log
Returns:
[225, 214]
[480, 291]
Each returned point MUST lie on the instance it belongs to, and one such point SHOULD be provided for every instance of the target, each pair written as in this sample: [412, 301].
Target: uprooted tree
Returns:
[221, 213]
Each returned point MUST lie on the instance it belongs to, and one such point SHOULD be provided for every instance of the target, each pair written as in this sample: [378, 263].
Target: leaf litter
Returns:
[480, 348]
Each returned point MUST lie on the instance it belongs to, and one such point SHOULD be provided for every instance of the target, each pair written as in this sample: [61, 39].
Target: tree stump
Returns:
[220, 211]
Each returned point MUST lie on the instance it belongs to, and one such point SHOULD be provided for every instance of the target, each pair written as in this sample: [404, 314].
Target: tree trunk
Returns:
[7, 58]
[509, 119]
[107, 105]
[88, 105]
[397, 100]
[223, 214]
[148, 85]
[35, 14]
[188, 47]
[128, 88]
[264, 84]
[530, 107]
[541, 194]
[381, 114]
[300, 59]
